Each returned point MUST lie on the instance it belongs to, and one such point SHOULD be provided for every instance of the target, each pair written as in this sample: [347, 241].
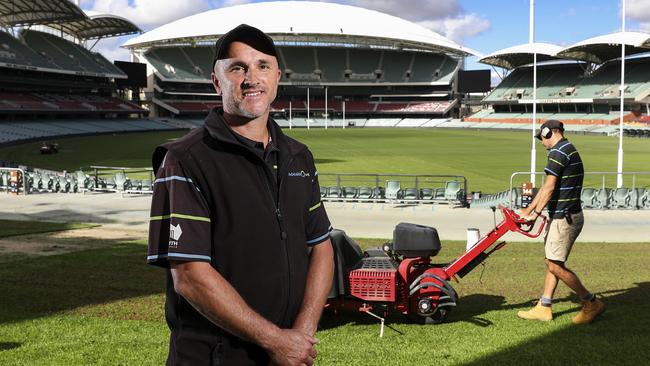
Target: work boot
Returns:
[538, 312]
[589, 311]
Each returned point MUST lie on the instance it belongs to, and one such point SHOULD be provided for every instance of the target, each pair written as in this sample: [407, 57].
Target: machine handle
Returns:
[517, 221]
[539, 230]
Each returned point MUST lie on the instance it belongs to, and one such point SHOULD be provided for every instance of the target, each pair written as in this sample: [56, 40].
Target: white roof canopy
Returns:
[302, 21]
[515, 56]
[97, 25]
[31, 12]
[607, 47]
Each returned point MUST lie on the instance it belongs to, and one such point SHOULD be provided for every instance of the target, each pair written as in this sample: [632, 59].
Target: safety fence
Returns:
[599, 191]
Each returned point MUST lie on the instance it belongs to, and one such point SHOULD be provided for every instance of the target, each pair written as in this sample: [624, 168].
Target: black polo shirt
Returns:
[268, 154]
[214, 201]
[565, 163]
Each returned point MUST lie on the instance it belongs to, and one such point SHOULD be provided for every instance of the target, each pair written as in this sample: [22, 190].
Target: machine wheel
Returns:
[436, 318]
[439, 316]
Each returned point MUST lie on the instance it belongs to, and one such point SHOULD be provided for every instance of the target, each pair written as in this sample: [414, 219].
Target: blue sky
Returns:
[483, 25]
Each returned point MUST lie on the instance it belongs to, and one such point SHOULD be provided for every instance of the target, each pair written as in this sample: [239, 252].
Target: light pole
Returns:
[531, 40]
[619, 176]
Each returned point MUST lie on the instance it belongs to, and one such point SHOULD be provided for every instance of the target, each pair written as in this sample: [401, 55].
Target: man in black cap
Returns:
[561, 192]
[236, 216]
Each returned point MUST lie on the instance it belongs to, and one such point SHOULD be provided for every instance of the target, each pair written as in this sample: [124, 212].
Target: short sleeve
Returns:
[557, 161]
[318, 224]
[179, 226]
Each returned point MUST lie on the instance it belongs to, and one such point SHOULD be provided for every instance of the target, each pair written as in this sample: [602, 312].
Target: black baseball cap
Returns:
[550, 124]
[246, 34]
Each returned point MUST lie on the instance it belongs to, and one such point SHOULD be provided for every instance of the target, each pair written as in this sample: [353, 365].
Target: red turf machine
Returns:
[400, 277]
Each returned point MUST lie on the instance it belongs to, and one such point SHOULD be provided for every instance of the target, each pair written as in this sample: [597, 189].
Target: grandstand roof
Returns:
[30, 12]
[303, 21]
[515, 56]
[607, 47]
[97, 25]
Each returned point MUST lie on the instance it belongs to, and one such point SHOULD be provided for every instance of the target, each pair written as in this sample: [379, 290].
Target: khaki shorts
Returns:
[560, 236]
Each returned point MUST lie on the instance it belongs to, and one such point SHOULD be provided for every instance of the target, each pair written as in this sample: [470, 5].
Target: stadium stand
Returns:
[394, 65]
[43, 74]
[390, 57]
[578, 84]
[65, 55]
[14, 53]
[50, 128]
[332, 63]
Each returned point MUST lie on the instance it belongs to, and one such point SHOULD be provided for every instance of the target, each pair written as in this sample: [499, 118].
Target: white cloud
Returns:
[110, 48]
[639, 10]
[149, 14]
[443, 16]
[459, 28]
[413, 9]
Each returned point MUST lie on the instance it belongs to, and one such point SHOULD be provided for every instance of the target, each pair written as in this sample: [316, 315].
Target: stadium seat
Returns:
[426, 193]
[35, 181]
[621, 198]
[84, 181]
[122, 182]
[393, 190]
[513, 198]
[333, 192]
[349, 192]
[323, 191]
[63, 184]
[452, 190]
[604, 198]
[379, 193]
[410, 194]
[47, 183]
[146, 185]
[136, 185]
[439, 194]
[4, 180]
[646, 199]
[636, 198]
[364, 193]
[109, 184]
[589, 198]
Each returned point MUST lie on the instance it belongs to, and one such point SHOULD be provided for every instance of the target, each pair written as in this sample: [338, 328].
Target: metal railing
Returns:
[340, 181]
[633, 175]
[100, 170]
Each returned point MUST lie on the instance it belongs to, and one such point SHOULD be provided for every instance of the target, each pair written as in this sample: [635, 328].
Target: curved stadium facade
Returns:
[333, 57]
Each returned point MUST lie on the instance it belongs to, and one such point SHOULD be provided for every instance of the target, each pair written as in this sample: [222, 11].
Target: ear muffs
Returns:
[547, 133]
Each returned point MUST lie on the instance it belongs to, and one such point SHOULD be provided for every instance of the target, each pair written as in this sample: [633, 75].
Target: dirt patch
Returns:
[63, 242]
[101, 233]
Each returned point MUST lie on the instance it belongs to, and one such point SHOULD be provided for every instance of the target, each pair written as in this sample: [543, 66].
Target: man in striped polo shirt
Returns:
[561, 195]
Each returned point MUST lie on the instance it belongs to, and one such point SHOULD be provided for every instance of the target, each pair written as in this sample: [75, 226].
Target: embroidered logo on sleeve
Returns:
[175, 233]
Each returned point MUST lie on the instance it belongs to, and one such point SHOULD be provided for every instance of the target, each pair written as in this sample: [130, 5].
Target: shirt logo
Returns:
[301, 173]
[175, 233]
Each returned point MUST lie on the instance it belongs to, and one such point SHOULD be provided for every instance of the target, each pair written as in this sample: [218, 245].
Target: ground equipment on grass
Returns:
[400, 277]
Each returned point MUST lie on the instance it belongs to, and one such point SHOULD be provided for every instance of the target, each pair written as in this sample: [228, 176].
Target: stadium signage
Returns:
[557, 100]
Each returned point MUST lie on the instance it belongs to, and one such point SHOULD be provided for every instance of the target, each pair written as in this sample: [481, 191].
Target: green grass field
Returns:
[486, 158]
[104, 306]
